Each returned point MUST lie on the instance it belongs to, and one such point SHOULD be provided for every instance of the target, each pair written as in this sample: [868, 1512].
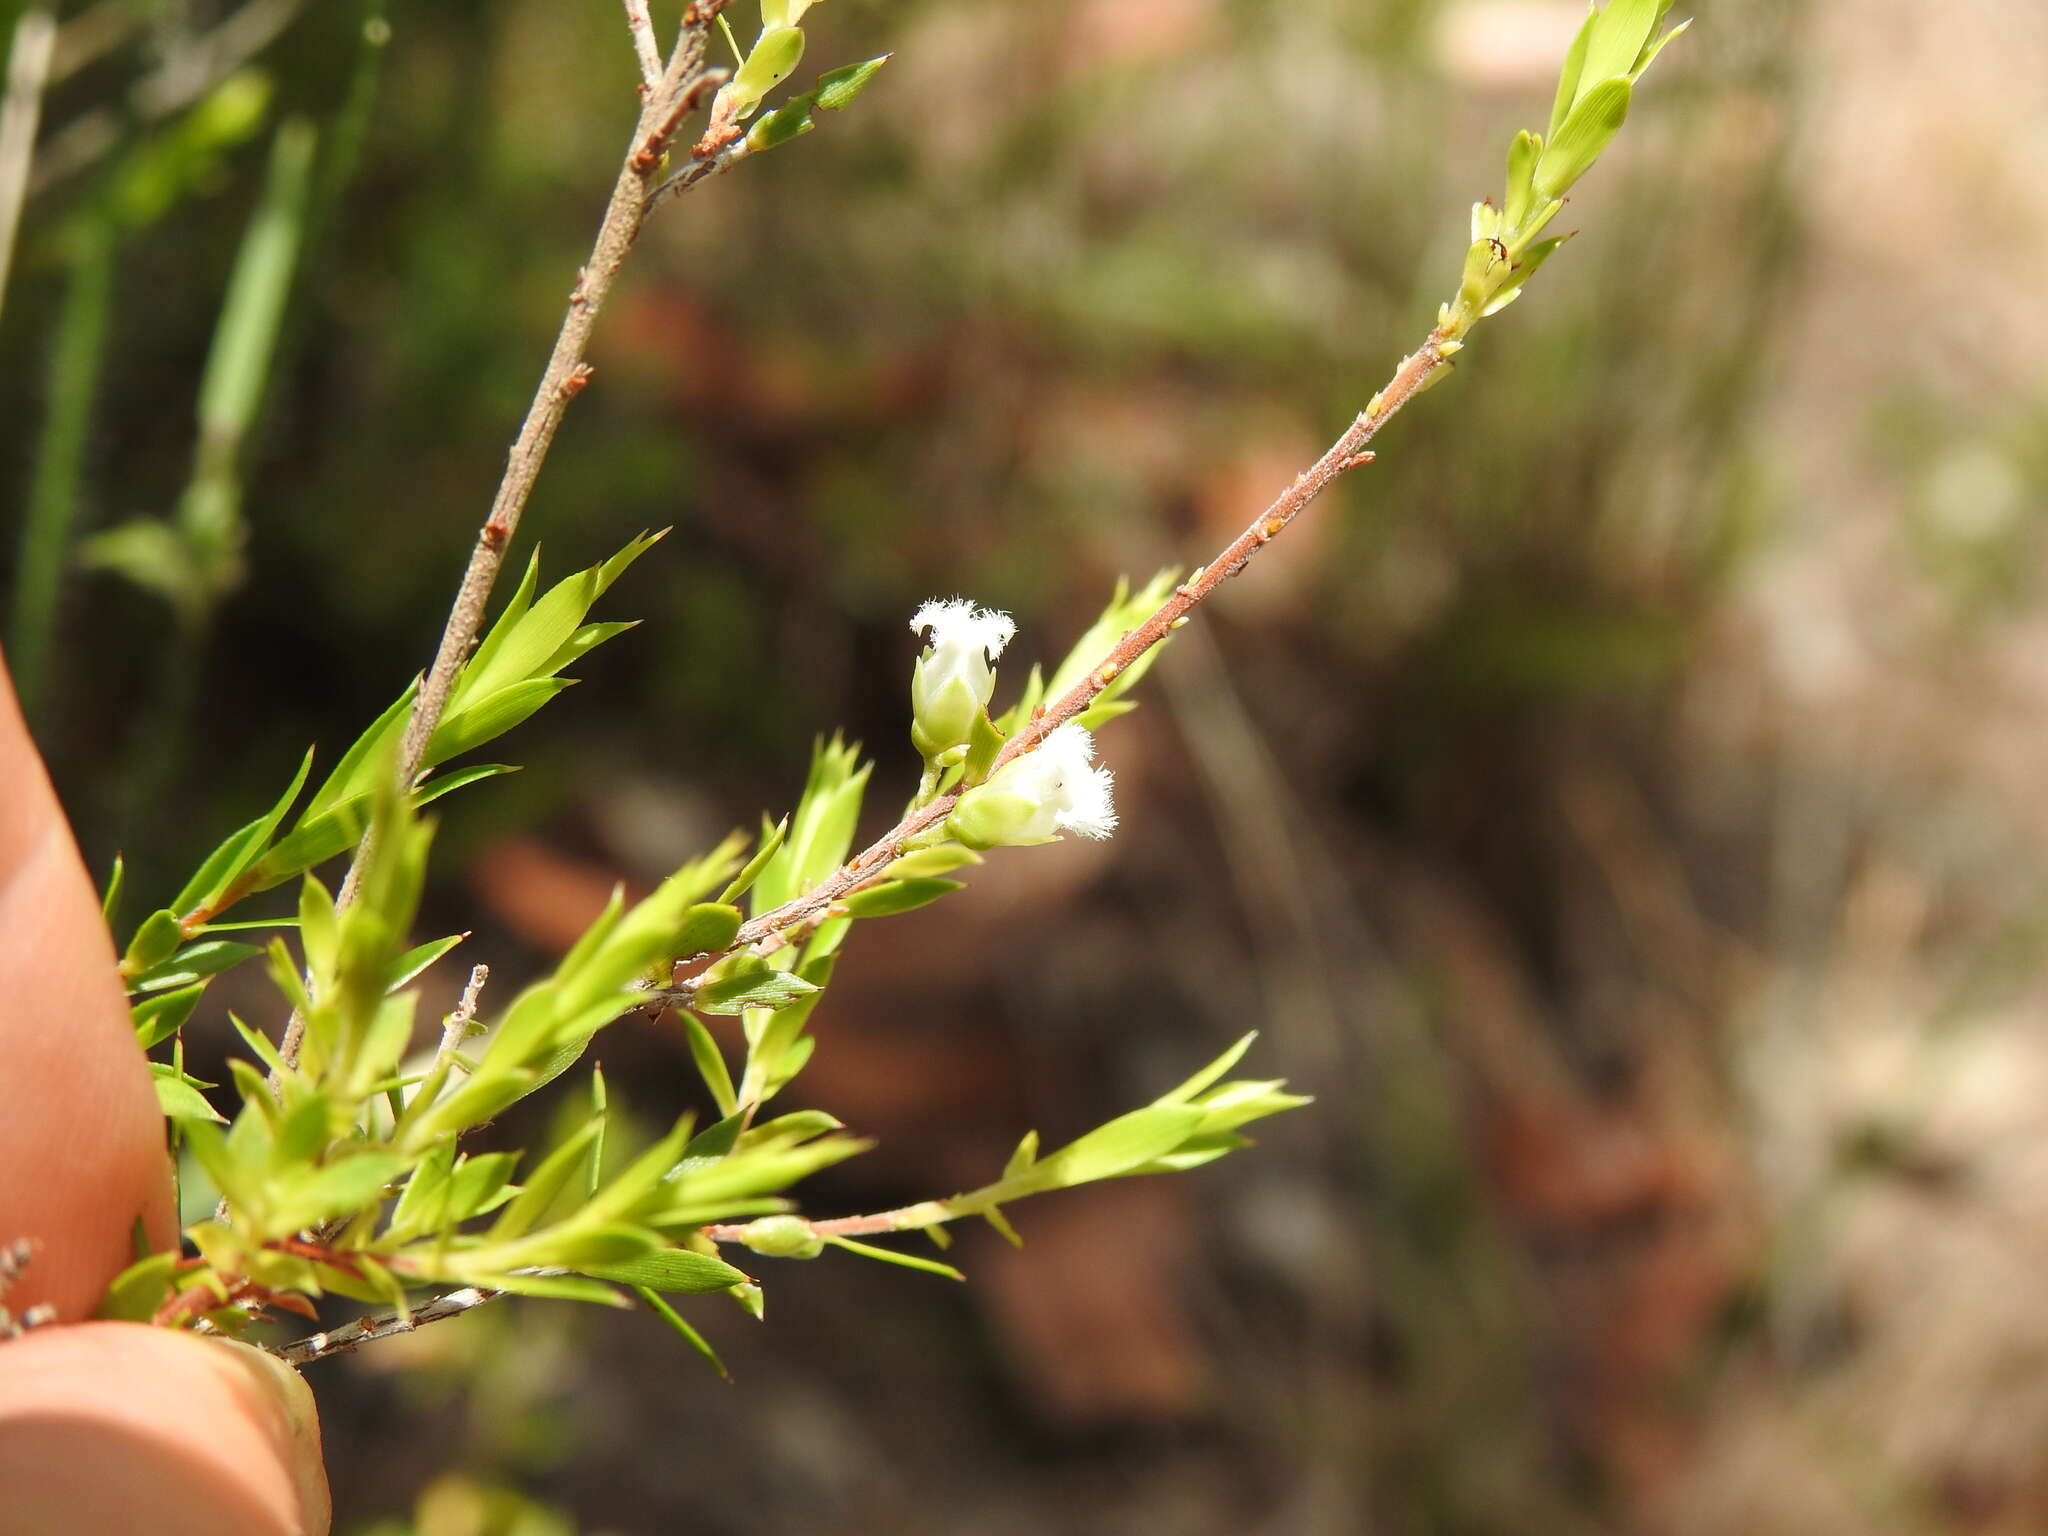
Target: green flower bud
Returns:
[782, 1237]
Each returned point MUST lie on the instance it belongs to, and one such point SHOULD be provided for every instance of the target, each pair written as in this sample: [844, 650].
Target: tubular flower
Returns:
[1036, 797]
[951, 684]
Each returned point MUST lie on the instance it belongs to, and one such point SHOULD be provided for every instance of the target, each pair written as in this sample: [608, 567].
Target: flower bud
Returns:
[951, 684]
[1036, 797]
[782, 1237]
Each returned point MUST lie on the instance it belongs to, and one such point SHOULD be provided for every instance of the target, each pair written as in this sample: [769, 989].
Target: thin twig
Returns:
[641, 26]
[28, 68]
[772, 929]
[383, 1325]
[664, 104]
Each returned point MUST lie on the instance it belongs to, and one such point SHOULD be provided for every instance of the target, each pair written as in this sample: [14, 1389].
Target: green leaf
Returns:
[158, 1018]
[178, 1096]
[837, 88]
[710, 1062]
[461, 778]
[531, 644]
[1589, 129]
[769, 989]
[417, 959]
[140, 1289]
[707, 929]
[1211, 1073]
[594, 1169]
[482, 667]
[356, 773]
[890, 1256]
[492, 716]
[690, 1335]
[206, 957]
[479, 1184]
[1650, 53]
[548, 1181]
[777, 52]
[155, 941]
[1118, 1147]
[894, 896]
[926, 862]
[1574, 68]
[994, 1217]
[1522, 156]
[557, 1287]
[676, 1270]
[769, 843]
[240, 850]
[339, 1189]
[312, 842]
[1526, 268]
[117, 878]
[1025, 1155]
[1618, 40]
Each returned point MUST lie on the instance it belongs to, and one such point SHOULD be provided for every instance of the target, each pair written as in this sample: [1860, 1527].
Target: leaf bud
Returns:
[782, 1237]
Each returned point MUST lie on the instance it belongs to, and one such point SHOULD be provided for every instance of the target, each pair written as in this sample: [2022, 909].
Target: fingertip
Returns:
[119, 1426]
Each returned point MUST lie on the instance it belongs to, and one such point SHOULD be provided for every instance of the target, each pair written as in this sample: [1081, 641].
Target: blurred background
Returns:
[1620, 805]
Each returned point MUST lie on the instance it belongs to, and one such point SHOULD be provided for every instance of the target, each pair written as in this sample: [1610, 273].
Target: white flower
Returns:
[951, 684]
[1034, 798]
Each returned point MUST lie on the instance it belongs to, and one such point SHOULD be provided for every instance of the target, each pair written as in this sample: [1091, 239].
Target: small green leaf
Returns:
[1574, 67]
[1522, 156]
[1119, 1146]
[140, 1289]
[1589, 129]
[676, 1270]
[1211, 1073]
[557, 1287]
[1025, 1155]
[777, 52]
[207, 957]
[492, 716]
[117, 877]
[540, 1190]
[770, 841]
[339, 1189]
[690, 1335]
[710, 1062]
[419, 958]
[461, 778]
[1618, 40]
[943, 859]
[769, 989]
[890, 1256]
[178, 1097]
[837, 88]
[241, 849]
[707, 929]
[994, 1217]
[894, 896]
[159, 1017]
[479, 1184]
[155, 941]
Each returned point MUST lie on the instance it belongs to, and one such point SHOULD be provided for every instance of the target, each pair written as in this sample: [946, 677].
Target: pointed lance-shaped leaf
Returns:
[1574, 68]
[1589, 130]
[1619, 37]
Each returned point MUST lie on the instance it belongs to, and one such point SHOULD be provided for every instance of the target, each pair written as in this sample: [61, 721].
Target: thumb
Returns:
[123, 1427]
